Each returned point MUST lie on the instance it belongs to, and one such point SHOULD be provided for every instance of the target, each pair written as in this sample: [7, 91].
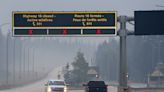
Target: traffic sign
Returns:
[64, 23]
[149, 22]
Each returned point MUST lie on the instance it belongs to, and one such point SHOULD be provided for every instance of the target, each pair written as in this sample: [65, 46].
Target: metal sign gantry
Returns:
[123, 73]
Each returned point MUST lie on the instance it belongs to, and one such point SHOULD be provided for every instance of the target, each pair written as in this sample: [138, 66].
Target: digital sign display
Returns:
[149, 22]
[64, 23]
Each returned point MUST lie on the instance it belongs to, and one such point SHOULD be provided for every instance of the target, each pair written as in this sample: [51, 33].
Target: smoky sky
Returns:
[123, 7]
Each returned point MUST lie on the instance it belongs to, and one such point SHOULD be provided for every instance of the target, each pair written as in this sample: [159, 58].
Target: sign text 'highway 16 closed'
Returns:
[64, 23]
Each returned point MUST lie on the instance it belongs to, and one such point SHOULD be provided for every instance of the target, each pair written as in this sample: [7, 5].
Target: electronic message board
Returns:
[149, 22]
[64, 23]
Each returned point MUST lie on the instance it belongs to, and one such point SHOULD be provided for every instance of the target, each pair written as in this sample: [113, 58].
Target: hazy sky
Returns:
[123, 7]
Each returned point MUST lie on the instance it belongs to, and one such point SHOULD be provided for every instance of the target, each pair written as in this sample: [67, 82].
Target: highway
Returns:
[39, 86]
[35, 87]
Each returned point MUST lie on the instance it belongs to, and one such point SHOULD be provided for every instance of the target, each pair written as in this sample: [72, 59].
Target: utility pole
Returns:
[123, 74]
[24, 61]
[20, 62]
[33, 62]
[7, 60]
[28, 62]
[14, 62]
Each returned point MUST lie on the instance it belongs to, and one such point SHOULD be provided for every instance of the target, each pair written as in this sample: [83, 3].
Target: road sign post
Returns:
[123, 60]
[123, 74]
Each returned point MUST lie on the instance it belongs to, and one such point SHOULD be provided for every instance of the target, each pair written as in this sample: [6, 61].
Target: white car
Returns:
[55, 86]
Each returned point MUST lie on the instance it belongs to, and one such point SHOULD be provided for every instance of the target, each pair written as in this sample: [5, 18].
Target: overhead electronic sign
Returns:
[149, 22]
[64, 23]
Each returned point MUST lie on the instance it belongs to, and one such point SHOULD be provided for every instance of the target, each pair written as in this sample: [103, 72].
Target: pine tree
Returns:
[80, 68]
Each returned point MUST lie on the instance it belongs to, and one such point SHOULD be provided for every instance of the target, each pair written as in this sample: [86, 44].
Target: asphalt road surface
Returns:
[39, 86]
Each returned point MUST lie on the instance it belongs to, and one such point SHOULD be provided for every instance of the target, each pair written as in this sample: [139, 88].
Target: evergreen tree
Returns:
[80, 68]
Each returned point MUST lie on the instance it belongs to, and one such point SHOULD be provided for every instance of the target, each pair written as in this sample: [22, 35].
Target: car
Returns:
[95, 86]
[56, 86]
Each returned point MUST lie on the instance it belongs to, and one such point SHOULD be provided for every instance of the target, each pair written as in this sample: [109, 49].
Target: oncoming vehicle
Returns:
[55, 86]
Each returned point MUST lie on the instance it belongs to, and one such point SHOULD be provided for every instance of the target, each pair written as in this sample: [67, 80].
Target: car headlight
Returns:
[65, 89]
[49, 89]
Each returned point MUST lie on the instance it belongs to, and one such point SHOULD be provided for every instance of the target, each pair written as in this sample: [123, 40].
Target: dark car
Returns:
[95, 86]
